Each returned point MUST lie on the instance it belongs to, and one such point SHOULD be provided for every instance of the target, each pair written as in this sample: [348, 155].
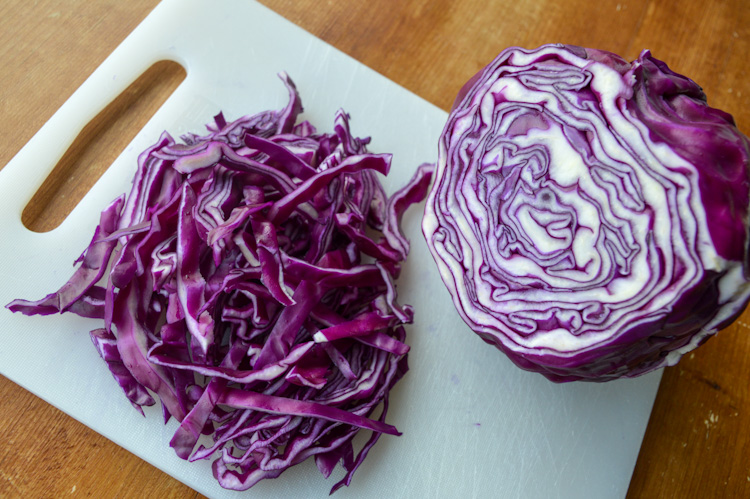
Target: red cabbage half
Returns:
[589, 216]
[248, 282]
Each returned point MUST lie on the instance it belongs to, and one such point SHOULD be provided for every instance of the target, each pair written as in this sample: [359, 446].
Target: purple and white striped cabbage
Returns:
[589, 216]
[247, 292]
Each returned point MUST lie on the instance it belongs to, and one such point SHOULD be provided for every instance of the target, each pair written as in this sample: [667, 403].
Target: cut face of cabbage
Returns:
[589, 216]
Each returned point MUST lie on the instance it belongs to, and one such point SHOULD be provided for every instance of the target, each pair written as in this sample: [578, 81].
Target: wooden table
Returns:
[698, 438]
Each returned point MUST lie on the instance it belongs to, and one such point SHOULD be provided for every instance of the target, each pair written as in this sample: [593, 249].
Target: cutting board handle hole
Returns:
[98, 144]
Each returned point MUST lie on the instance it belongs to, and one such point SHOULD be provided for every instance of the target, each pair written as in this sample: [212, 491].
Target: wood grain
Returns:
[698, 439]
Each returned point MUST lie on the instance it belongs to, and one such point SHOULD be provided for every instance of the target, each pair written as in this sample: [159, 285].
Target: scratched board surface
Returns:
[473, 424]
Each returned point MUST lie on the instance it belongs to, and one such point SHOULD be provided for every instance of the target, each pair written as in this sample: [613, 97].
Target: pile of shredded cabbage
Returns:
[247, 281]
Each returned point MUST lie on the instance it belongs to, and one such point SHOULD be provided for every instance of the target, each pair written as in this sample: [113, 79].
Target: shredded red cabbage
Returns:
[247, 291]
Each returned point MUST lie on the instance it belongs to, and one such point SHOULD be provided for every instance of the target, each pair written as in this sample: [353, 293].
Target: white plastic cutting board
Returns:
[473, 425]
